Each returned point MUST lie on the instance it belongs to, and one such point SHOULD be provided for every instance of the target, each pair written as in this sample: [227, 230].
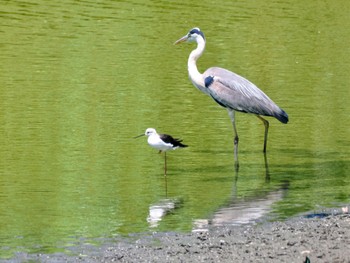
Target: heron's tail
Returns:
[282, 116]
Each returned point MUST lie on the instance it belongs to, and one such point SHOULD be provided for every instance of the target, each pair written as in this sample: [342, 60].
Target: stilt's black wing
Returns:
[169, 139]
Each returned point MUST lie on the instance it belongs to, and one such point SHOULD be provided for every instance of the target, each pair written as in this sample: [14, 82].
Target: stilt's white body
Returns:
[156, 142]
[162, 142]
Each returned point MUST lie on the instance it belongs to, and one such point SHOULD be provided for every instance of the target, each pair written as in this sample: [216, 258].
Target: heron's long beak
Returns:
[183, 39]
[139, 136]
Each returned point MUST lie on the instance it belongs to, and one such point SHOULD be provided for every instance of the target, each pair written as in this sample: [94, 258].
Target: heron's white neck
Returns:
[195, 76]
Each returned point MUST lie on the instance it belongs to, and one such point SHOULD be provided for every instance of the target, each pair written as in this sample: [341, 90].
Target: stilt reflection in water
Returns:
[160, 209]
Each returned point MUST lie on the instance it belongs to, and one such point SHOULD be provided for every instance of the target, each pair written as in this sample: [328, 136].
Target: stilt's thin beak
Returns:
[183, 39]
[139, 136]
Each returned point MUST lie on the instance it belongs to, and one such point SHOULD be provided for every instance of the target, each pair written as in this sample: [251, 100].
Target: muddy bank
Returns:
[321, 239]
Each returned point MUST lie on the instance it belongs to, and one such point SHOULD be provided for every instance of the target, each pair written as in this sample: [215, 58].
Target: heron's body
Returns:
[242, 95]
[230, 90]
[162, 142]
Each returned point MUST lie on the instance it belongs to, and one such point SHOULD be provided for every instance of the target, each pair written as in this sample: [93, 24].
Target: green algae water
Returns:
[78, 80]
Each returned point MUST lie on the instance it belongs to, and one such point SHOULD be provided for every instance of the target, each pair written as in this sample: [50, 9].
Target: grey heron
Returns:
[230, 90]
[162, 142]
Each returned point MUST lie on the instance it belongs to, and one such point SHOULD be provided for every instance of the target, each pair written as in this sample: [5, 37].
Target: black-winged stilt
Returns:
[162, 142]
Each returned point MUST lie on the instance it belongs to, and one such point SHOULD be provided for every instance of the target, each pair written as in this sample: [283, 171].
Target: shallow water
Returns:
[80, 79]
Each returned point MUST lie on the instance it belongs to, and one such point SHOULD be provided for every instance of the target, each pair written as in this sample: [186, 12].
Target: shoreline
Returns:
[324, 237]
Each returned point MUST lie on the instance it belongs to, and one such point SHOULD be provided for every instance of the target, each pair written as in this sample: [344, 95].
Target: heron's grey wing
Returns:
[237, 93]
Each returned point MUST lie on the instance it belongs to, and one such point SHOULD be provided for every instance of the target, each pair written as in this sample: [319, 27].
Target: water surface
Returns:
[80, 79]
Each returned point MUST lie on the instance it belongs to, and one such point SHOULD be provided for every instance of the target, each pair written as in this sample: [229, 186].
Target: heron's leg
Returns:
[266, 124]
[267, 173]
[231, 113]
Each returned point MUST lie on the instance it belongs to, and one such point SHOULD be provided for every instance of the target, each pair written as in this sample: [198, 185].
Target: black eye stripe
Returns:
[196, 31]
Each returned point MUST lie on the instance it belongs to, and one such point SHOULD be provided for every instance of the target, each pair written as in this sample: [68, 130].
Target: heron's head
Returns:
[192, 36]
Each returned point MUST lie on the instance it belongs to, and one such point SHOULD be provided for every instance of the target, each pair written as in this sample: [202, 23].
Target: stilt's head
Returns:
[150, 131]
